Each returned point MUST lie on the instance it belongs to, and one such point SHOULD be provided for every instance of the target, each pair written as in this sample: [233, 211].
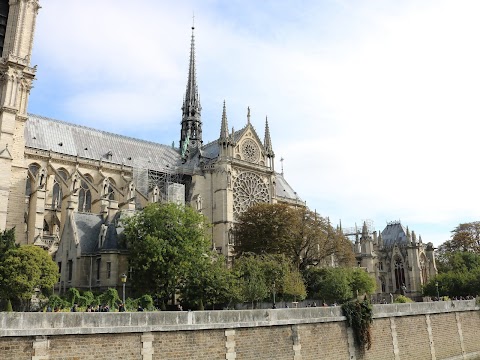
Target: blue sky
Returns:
[372, 104]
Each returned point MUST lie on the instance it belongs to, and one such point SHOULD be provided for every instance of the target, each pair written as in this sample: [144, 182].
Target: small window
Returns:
[109, 270]
[70, 270]
[59, 267]
[98, 269]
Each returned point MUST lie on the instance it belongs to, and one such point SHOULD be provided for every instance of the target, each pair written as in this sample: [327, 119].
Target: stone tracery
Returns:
[248, 189]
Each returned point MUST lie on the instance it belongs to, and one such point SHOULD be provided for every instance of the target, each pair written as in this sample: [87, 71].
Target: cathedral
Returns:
[66, 187]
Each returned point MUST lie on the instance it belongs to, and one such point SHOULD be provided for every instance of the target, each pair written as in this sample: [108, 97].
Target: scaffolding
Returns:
[171, 183]
[352, 232]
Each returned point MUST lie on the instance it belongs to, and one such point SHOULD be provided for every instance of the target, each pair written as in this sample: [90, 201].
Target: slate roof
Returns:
[284, 190]
[393, 233]
[70, 139]
[88, 229]
[88, 232]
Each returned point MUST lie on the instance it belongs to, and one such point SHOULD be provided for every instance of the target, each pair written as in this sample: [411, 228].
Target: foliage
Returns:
[252, 279]
[359, 316]
[25, 269]
[402, 299]
[56, 302]
[458, 261]
[146, 302]
[7, 242]
[8, 306]
[166, 243]
[210, 283]
[304, 237]
[465, 237]
[338, 284]
[454, 284]
[110, 297]
[361, 282]
[73, 295]
[294, 286]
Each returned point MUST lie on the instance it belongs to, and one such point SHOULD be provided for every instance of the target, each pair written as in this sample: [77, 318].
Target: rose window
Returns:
[250, 150]
[248, 189]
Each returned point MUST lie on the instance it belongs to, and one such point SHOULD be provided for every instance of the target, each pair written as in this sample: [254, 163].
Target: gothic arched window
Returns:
[384, 284]
[399, 273]
[84, 197]
[111, 191]
[57, 189]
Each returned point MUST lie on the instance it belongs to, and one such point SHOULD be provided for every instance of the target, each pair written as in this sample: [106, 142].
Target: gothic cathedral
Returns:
[66, 187]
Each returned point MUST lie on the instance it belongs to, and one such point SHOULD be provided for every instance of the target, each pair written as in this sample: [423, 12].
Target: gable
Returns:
[249, 147]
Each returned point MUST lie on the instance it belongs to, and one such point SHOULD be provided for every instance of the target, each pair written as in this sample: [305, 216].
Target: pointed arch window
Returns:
[384, 284]
[111, 191]
[84, 197]
[57, 195]
[399, 273]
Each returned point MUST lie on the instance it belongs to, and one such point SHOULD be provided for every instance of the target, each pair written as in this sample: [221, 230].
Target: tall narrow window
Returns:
[109, 270]
[4, 7]
[84, 197]
[70, 269]
[399, 273]
[98, 268]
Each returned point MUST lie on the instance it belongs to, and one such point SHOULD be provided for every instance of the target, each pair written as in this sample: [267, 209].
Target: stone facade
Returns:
[66, 187]
[436, 330]
[399, 262]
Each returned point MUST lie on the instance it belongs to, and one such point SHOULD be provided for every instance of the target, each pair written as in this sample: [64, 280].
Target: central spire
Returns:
[191, 133]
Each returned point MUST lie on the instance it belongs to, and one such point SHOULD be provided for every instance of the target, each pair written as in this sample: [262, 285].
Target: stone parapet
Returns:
[43, 324]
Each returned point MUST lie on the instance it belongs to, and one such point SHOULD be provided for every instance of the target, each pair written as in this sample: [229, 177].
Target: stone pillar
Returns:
[230, 352]
[147, 346]
[40, 348]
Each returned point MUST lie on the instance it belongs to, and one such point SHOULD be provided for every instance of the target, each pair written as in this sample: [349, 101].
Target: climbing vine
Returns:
[359, 316]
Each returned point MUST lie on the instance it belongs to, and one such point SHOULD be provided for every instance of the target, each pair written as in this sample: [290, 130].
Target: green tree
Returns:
[294, 287]
[361, 282]
[303, 236]
[7, 242]
[25, 269]
[110, 297]
[210, 283]
[166, 242]
[465, 237]
[252, 278]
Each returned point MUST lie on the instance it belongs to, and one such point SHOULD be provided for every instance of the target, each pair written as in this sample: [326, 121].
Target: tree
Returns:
[303, 236]
[294, 286]
[25, 269]
[361, 282]
[251, 278]
[465, 237]
[210, 283]
[338, 284]
[7, 242]
[166, 242]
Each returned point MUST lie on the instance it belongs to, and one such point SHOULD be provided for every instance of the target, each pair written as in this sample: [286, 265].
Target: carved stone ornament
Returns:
[250, 151]
[248, 189]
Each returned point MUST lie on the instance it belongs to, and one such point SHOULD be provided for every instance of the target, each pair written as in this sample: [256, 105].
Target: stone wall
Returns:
[440, 330]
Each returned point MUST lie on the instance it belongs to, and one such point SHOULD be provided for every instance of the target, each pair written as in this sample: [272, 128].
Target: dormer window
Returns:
[109, 155]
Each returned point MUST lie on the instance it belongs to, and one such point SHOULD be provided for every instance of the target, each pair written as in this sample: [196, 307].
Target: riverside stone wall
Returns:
[437, 330]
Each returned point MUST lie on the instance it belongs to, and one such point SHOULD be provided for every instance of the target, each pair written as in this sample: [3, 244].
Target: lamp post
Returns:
[438, 294]
[123, 277]
[274, 304]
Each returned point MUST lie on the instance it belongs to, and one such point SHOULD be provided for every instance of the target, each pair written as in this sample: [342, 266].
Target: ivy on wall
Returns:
[359, 316]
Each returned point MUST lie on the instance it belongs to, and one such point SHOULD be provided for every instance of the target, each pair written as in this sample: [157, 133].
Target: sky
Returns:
[373, 104]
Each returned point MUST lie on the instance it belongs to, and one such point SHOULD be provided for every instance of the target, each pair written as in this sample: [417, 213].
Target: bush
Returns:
[8, 306]
[55, 301]
[146, 302]
[359, 316]
[402, 299]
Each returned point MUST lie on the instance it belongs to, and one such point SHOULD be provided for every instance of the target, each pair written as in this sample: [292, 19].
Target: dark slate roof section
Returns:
[211, 150]
[70, 139]
[393, 233]
[88, 230]
[284, 190]
[114, 234]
